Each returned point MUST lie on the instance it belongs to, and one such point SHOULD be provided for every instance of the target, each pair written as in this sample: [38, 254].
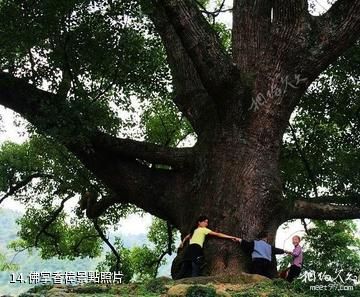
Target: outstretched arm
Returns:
[222, 235]
[246, 246]
[278, 251]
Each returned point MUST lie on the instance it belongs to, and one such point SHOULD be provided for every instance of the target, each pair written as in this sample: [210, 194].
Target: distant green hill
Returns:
[33, 263]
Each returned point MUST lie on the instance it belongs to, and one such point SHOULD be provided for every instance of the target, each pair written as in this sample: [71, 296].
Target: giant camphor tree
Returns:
[68, 67]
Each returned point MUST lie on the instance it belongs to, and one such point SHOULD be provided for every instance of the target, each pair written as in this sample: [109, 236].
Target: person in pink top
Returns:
[297, 259]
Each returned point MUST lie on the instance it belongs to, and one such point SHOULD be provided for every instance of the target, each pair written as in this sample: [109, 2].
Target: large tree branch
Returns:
[332, 33]
[211, 61]
[152, 153]
[191, 97]
[114, 161]
[158, 191]
[37, 106]
[46, 111]
[325, 208]
[299, 48]
[303, 46]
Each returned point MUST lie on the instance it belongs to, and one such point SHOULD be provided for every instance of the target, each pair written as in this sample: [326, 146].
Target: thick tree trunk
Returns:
[237, 184]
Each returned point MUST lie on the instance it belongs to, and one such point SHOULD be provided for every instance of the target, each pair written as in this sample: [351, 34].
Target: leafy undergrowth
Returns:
[197, 287]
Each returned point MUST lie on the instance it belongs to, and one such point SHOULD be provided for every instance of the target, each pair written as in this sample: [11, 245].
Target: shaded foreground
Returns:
[242, 285]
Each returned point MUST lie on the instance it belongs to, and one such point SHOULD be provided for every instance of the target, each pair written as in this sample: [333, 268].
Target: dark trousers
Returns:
[261, 266]
[294, 272]
[191, 261]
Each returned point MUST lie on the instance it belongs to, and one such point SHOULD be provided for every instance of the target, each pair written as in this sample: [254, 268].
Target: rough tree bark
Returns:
[239, 106]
